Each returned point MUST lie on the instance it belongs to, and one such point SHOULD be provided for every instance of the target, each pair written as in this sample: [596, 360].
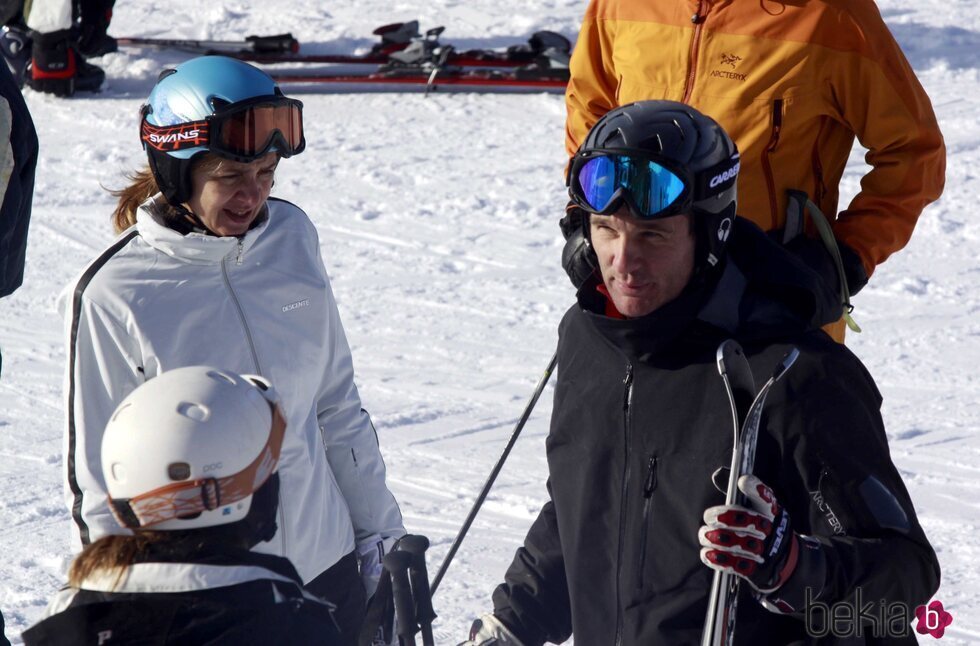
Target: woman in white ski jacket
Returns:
[215, 272]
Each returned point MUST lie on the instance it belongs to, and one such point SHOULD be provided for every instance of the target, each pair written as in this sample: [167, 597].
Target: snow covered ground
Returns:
[438, 222]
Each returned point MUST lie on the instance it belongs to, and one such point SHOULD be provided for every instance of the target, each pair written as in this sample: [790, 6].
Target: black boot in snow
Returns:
[56, 66]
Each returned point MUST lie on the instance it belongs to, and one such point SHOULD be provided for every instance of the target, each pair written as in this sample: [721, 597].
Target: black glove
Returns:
[577, 258]
[814, 253]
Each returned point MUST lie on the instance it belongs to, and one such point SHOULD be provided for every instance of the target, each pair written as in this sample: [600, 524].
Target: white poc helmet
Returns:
[188, 449]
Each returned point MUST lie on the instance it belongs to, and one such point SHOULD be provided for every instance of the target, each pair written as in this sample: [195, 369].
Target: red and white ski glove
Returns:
[757, 544]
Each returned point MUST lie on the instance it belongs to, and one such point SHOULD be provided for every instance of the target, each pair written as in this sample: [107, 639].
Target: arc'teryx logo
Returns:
[732, 61]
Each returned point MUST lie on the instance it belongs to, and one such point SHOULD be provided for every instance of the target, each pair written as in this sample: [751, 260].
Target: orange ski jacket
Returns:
[793, 82]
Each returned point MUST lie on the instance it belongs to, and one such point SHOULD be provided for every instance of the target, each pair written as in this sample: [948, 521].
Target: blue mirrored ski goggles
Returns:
[599, 182]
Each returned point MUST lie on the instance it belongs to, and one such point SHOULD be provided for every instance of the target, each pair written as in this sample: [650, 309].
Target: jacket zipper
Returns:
[698, 20]
[819, 189]
[255, 357]
[777, 124]
[627, 416]
[649, 486]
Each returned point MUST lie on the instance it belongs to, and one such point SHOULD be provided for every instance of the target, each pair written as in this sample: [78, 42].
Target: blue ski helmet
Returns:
[219, 105]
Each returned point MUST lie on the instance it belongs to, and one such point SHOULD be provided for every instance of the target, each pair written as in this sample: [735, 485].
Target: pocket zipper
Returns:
[648, 488]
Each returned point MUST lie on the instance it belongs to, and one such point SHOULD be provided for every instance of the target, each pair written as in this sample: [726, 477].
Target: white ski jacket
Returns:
[157, 300]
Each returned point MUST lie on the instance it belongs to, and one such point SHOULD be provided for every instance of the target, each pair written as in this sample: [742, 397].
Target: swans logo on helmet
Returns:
[178, 137]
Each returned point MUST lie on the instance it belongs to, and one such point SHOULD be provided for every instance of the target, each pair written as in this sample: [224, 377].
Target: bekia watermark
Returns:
[857, 617]
[932, 619]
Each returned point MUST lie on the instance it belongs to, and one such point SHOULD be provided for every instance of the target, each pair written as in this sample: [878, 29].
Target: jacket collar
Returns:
[194, 247]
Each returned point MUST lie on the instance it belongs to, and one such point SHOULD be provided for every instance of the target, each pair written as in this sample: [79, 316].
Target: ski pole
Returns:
[416, 546]
[398, 563]
[493, 474]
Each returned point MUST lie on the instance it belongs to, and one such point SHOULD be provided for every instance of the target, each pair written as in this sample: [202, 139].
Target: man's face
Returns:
[644, 263]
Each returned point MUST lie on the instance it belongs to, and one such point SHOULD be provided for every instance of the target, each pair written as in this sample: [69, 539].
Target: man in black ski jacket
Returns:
[623, 550]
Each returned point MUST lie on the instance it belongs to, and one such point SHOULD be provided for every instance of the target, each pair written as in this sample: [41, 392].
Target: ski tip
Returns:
[785, 364]
[727, 351]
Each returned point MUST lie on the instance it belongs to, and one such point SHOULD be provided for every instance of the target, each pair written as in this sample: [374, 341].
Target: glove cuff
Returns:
[806, 578]
[488, 630]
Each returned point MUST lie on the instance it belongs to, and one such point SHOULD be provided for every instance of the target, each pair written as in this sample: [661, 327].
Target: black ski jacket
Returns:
[641, 421]
[17, 164]
[229, 598]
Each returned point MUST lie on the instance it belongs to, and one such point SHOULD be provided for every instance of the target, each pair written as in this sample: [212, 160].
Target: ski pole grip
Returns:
[398, 563]
[416, 546]
[278, 44]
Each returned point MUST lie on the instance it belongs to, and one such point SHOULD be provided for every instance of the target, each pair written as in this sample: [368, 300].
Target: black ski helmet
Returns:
[682, 138]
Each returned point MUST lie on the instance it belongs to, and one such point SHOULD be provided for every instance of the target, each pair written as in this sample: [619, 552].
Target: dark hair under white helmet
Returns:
[689, 148]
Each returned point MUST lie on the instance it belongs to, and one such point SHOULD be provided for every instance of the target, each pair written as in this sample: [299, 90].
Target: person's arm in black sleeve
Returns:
[533, 600]
[849, 497]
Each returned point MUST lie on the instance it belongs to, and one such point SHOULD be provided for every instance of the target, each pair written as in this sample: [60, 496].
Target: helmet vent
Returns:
[196, 412]
[120, 410]
[179, 470]
[218, 375]
[217, 103]
[680, 130]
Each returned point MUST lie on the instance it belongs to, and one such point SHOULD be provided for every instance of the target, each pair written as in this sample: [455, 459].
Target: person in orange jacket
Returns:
[793, 83]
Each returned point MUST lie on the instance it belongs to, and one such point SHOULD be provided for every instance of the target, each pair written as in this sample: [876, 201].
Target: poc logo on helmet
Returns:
[724, 177]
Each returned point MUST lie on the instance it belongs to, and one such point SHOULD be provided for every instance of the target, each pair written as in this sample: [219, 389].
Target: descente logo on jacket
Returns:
[295, 306]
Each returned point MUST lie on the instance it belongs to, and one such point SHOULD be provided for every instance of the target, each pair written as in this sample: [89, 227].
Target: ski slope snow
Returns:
[437, 218]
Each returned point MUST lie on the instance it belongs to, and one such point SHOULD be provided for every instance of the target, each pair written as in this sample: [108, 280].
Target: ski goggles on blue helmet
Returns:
[242, 131]
[601, 181]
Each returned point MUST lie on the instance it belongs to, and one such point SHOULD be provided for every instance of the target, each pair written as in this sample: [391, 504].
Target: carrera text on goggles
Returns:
[204, 494]
[599, 182]
[242, 132]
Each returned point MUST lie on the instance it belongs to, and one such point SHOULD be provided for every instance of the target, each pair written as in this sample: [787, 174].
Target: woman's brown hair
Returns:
[111, 554]
[143, 186]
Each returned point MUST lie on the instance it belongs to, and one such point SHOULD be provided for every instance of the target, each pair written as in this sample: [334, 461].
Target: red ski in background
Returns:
[400, 42]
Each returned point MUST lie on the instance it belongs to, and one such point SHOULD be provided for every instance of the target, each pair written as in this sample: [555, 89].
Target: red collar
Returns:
[611, 310]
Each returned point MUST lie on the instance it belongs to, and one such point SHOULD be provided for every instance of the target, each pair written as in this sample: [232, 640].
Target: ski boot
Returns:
[57, 68]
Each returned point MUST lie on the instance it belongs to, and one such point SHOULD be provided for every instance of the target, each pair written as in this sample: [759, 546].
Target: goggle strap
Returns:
[178, 137]
[204, 494]
[717, 179]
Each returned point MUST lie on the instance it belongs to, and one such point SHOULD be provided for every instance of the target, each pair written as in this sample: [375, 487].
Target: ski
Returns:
[249, 46]
[401, 43]
[746, 406]
[426, 47]
[433, 80]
